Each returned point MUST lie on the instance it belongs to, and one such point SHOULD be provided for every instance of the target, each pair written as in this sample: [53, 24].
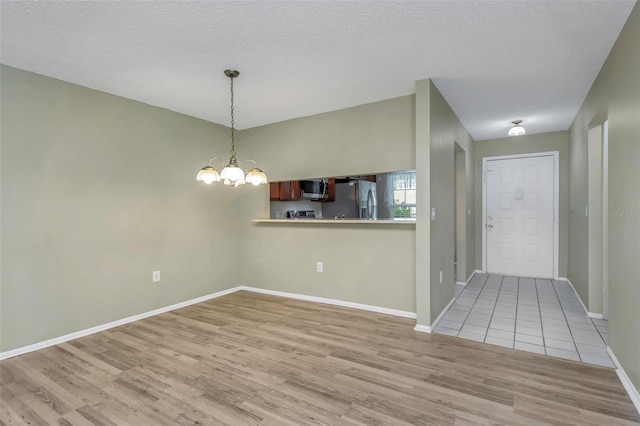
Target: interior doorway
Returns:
[520, 215]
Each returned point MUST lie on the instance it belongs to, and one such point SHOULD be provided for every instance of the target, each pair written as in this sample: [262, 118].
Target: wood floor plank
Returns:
[249, 359]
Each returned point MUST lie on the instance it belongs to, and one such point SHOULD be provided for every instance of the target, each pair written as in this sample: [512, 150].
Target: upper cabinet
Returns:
[285, 191]
[331, 189]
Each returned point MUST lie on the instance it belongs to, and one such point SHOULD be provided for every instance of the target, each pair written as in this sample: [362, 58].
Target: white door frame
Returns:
[556, 202]
[605, 220]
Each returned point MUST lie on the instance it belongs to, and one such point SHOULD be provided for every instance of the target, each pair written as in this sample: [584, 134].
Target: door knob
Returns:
[489, 225]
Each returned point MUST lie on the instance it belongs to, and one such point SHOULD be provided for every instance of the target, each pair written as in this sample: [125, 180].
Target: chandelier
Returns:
[232, 174]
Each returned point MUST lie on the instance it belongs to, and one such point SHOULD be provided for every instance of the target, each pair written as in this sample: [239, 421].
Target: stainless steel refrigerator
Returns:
[355, 199]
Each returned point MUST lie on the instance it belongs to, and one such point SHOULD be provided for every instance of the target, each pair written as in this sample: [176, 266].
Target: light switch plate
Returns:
[433, 214]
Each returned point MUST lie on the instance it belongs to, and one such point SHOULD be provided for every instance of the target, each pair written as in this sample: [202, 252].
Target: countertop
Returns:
[337, 221]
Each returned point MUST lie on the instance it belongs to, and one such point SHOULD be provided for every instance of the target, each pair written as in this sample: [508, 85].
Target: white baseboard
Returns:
[477, 271]
[584, 307]
[626, 382]
[336, 302]
[586, 311]
[444, 311]
[102, 327]
[422, 328]
[428, 329]
[61, 339]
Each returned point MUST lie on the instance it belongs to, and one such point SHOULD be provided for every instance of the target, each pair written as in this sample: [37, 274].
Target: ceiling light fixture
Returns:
[517, 129]
[232, 174]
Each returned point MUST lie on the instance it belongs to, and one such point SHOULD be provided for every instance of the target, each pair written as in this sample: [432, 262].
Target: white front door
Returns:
[519, 216]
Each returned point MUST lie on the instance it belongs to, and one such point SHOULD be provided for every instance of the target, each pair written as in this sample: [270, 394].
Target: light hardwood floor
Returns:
[248, 359]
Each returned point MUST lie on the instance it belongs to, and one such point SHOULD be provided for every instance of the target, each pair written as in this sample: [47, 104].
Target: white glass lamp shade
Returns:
[208, 175]
[516, 131]
[256, 177]
[232, 175]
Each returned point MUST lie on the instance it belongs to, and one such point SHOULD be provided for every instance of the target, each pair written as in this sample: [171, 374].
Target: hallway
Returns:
[535, 315]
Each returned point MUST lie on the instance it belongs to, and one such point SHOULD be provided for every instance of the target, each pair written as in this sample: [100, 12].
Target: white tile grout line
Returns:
[486, 333]
[535, 284]
[544, 340]
[571, 331]
[598, 330]
[474, 302]
[566, 320]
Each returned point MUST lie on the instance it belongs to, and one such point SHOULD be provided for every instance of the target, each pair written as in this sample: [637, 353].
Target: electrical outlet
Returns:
[319, 267]
[155, 276]
[433, 214]
[441, 276]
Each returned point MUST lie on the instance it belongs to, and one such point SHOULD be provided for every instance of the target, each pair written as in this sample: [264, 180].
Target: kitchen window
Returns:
[404, 195]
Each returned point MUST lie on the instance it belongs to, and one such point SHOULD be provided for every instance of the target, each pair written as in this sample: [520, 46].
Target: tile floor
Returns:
[535, 315]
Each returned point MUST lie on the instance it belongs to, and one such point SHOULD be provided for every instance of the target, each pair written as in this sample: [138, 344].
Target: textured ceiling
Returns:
[493, 61]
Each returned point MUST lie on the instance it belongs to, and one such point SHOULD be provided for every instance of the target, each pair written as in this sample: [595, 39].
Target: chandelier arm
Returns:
[216, 158]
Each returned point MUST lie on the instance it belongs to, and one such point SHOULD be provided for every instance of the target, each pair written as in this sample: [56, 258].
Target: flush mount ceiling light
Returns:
[232, 174]
[517, 129]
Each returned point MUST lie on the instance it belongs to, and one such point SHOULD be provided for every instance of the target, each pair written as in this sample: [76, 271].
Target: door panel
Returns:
[520, 216]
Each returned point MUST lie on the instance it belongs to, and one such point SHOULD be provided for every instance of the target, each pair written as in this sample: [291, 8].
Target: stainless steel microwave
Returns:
[314, 189]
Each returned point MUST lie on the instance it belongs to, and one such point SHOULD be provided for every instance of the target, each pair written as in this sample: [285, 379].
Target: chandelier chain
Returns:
[233, 142]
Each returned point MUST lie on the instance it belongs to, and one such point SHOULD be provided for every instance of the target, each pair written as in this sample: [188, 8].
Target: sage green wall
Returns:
[527, 144]
[615, 95]
[445, 131]
[370, 138]
[370, 264]
[97, 192]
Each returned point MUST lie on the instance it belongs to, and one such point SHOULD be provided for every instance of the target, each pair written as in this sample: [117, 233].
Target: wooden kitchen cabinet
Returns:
[285, 191]
[274, 191]
[290, 191]
[331, 189]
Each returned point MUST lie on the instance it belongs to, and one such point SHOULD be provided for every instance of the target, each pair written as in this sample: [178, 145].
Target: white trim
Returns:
[65, 338]
[444, 311]
[586, 311]
[428, 329]
[422, 328]
[354, 305]
[605, 220]
[626, 381]
[477, 271]
[556, 203]
[584, 308]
